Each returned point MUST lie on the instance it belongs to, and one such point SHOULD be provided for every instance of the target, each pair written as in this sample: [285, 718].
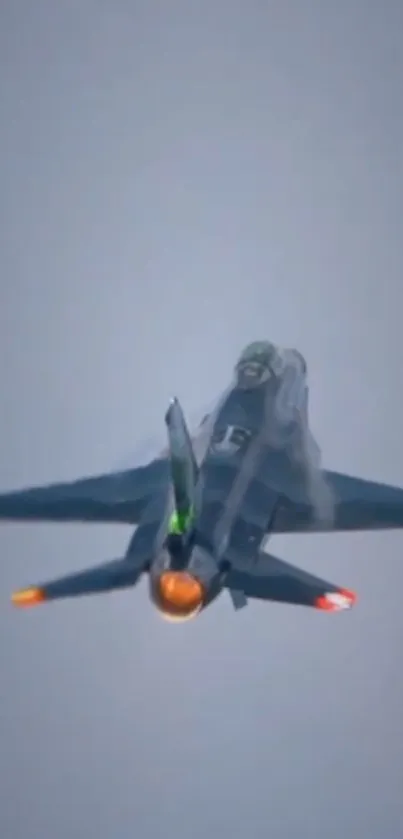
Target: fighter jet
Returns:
[204, 509]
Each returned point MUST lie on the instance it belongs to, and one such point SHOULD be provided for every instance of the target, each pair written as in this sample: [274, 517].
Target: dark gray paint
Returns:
[244, 164]
[258, 477]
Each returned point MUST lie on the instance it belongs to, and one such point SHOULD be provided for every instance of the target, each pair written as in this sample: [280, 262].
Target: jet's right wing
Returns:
[273, 579]
[358, 505]
[364, 505]
[115, 497]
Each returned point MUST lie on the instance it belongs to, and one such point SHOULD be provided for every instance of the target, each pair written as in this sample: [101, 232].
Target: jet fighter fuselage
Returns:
[205, 508]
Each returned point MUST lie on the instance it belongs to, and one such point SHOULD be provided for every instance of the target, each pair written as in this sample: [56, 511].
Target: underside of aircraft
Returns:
[205, 508]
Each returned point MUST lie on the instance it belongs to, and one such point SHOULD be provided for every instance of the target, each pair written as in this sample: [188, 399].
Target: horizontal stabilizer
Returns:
[272, 579]
[118, 574]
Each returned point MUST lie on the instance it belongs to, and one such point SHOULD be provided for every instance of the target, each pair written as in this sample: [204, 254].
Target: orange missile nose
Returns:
[28, 597]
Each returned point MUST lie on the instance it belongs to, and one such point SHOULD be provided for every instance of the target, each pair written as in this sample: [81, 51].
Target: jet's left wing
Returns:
[120, 496]
[272, 579]
[110, 576]
[358, 505]
[114, 497]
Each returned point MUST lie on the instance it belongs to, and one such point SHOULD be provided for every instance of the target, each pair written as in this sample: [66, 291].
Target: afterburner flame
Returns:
[180, 596]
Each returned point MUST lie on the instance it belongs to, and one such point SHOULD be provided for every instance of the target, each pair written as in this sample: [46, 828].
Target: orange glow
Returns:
[336, 601]
[28, 597]
[180, 596]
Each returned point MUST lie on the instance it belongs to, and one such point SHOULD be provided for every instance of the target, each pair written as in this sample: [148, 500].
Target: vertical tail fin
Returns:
[184, 468]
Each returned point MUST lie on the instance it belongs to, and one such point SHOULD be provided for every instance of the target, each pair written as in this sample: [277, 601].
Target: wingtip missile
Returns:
[27, 597]
[336, 601]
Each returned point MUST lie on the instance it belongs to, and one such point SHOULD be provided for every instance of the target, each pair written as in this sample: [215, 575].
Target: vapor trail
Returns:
[288, 426]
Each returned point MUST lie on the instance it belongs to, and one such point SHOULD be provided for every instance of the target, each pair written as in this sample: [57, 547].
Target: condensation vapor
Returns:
[155, 445]
[286, 427]
[290, 428]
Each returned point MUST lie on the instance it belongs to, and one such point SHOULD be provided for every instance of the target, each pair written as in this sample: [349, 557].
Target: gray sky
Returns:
[177, 179]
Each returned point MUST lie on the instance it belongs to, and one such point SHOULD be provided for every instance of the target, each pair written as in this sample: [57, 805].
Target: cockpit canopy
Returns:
[256, 363]
[260, 360]
[262, 351]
